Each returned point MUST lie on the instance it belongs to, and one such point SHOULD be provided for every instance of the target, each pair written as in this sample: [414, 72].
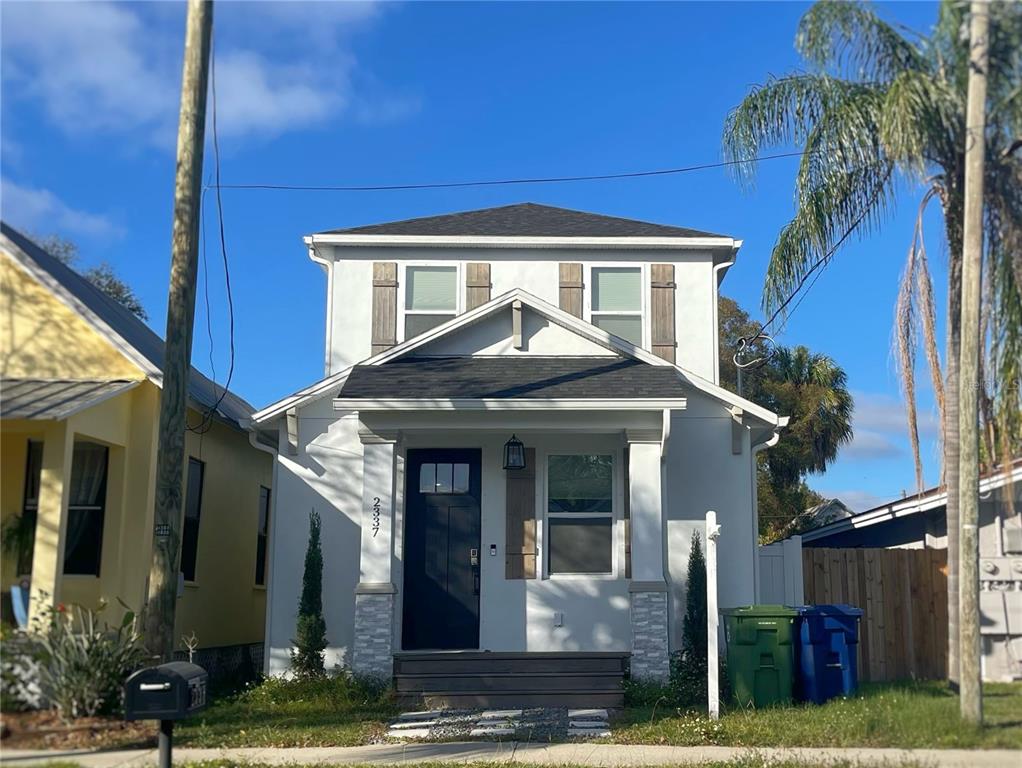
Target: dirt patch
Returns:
[45, 730]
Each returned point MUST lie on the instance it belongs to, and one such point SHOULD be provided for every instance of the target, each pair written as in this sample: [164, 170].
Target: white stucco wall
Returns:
[536, 271]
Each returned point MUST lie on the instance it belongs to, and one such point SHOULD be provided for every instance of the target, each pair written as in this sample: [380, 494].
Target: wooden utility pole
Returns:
[970, 686]
[167, 518]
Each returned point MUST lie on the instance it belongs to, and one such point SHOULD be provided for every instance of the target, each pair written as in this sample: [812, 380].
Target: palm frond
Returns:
[844, 202]
[850, 40]
[920, 121]
[782, 112]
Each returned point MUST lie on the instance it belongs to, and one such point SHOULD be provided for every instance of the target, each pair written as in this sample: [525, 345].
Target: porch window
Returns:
[431, 298]
[262, 535]
[616, 302]
[193, 510]
[83, 548]
[580, 514]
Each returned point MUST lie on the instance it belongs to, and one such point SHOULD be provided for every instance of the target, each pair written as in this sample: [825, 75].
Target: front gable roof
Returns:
[524, 220]
[615, 346]
[119, 326]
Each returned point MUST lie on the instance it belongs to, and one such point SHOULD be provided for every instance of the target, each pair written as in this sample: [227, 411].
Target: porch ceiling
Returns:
[54, 399]
[522, 377]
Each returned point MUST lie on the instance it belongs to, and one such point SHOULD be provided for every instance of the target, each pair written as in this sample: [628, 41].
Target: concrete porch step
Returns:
[497, 679]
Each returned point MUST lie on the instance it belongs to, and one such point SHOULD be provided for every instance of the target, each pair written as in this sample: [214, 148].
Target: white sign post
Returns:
[712, 663]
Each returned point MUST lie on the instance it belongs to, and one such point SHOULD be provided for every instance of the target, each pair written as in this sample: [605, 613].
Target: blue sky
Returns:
[379, 93]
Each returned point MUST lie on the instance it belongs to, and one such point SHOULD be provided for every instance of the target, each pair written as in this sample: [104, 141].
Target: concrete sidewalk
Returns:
[597, 755]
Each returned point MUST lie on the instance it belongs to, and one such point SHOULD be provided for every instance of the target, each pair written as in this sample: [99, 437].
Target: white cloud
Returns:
[115, 68]
[884, 413]
[867, 444]
[39, 210]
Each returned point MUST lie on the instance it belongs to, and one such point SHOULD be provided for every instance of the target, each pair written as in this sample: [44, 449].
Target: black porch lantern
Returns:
[514, 454]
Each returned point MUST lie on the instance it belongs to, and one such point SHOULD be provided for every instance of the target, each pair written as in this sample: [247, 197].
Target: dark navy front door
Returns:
[442, 552]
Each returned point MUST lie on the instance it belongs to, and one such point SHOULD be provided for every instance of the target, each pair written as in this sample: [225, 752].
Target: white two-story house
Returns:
[518, 433]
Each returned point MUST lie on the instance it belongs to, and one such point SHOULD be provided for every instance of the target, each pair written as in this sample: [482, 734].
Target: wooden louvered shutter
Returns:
[571, 289]
[661, 304]
[384, 331]
[520, 544]
[477, 285]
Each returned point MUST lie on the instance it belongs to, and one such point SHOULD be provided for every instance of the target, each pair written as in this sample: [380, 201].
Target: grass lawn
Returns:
[321, 713]
[923, 714]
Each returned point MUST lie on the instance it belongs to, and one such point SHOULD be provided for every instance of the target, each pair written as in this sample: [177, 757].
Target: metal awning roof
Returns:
[55, 398]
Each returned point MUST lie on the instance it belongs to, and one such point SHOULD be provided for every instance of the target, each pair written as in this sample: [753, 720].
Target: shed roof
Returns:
[528, 377]
[54, 398]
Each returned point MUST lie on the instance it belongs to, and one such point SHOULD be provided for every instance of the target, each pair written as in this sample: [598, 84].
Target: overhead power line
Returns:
[502, 182]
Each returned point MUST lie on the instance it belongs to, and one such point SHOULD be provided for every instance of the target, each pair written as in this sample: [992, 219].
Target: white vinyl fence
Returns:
[780, 573]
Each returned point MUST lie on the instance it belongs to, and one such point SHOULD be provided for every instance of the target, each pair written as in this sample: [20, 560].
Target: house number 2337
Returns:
[376, 515]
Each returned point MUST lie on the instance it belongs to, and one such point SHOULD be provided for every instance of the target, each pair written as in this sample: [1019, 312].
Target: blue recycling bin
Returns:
[826, 651]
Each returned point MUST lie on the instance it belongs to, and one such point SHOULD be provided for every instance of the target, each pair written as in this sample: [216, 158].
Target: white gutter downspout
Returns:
[718, 276]
[754, 449]
[328, 267]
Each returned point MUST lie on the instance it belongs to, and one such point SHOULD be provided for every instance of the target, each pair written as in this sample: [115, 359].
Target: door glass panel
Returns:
[461, 478]
[444, 478]
[427, 478]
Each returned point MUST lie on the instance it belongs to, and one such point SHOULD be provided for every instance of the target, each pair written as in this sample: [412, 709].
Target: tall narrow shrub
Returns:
[691, 667]
[307, 656]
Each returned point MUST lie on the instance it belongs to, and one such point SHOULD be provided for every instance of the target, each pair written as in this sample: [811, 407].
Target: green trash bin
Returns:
[760, 653]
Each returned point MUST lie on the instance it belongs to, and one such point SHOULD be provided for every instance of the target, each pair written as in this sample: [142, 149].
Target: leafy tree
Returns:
[101, 275]
[880, 110]
[307, 656]
[812, 391]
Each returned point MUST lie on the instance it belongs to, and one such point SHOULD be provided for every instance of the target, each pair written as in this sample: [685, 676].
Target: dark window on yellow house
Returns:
[83, 547]
[262, 535]
[193, 509]
[25, 529]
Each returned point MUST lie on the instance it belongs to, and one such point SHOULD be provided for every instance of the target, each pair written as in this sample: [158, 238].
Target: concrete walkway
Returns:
[597, 755]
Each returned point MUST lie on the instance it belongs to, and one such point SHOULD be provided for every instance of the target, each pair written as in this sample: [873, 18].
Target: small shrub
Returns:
[688, 668]
[82, 662]
[307, 656]
[19, 672]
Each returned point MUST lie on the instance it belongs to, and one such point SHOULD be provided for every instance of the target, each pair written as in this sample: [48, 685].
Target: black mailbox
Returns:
[167, 692]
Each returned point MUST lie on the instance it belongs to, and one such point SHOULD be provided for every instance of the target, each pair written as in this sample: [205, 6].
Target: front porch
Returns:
[527, 587]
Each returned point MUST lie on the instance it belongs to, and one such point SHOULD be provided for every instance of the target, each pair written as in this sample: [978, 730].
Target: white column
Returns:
[374, 596]
[712, 618]
[648, 589]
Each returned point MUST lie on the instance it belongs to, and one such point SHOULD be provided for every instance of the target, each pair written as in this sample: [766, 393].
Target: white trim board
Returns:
[508, 404]
[490, 241]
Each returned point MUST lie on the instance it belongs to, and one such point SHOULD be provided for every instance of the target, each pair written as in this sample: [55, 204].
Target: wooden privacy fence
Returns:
[903, 597]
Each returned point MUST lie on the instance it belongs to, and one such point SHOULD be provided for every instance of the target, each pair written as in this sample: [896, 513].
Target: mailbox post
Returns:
[166, 693]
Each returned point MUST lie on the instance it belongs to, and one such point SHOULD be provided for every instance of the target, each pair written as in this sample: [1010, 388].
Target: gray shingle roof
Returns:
[531, 377]
[523, 220]
[135, 332]
[53, 398]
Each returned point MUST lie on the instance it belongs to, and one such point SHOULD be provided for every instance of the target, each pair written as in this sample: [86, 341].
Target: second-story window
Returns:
[431, 298]
[616, 301]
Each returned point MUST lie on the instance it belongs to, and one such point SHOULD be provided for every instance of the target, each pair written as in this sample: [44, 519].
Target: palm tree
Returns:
[812, 390]
[881, 109]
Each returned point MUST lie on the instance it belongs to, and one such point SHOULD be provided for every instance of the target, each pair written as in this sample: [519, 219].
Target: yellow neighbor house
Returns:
[80, 380]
